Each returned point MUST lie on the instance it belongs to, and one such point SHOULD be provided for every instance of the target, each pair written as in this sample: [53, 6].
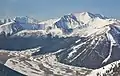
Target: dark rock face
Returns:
[88, 55]
[92, 55]
[5, 71]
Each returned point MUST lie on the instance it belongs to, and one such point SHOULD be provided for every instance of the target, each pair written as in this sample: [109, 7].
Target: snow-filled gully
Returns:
[112, 42]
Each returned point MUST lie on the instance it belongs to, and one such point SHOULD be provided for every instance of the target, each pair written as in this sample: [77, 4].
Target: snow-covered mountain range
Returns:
[76, 43]
[63, 25]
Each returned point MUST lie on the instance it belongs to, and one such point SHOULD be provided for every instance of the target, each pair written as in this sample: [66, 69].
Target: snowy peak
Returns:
[26, 19]
[82, 20]
[67, 22]
[90, 15]
[87, 16]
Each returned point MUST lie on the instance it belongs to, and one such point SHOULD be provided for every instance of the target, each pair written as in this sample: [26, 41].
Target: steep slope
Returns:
[9, 28]
[94, 51]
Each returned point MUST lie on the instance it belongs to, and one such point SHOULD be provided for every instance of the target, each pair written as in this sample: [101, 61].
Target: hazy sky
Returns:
[45, 9]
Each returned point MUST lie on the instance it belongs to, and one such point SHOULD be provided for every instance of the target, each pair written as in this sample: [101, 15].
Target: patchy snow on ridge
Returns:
[6, 28]
[103, 70]
[30, 33]
[44, 65]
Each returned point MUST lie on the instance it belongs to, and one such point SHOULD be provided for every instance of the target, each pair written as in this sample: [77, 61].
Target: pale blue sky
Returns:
[45, 9]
